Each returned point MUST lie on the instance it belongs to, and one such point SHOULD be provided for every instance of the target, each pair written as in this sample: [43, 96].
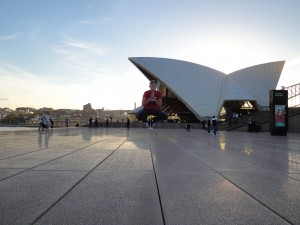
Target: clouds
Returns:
[9, 37]
[23, 88]
[81, 58]
[83, 47]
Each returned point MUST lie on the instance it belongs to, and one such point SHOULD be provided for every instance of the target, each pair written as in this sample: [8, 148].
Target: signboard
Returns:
[279, 115]
[278, 112]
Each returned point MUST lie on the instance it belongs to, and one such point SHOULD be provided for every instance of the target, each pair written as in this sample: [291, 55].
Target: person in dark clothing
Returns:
[203, 122]
[128, 123]
[90, 122]
[67, 122]
[51, 123]
[208, 125]
[188, 128]
[96, 122]
[253, 125]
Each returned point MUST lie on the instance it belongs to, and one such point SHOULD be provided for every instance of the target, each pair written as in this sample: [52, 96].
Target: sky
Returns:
[67, 53]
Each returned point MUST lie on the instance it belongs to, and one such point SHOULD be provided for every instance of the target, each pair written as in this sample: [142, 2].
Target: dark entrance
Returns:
[241, 108]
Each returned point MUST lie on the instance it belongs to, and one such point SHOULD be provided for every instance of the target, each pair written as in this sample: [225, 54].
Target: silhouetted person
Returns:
[203, 122]
[208, 125]
[128, 123]
[96, 122]
[188, 128]
[253, 125]
[67, 122]
[90, 122]
[249, 124]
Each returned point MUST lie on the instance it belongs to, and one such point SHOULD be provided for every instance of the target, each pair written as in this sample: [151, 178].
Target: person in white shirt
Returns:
[41, 123]
[214, 122]
[48, 122]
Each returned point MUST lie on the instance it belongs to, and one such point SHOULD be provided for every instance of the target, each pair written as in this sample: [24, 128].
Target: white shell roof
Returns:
[203, 90]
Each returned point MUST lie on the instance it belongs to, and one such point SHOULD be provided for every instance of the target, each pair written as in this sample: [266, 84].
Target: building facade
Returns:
[195, 91]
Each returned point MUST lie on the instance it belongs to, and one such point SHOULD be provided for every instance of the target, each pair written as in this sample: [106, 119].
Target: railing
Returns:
[293, 95]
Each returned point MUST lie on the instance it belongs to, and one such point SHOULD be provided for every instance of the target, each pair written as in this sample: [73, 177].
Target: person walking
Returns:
[214, 122]
[151, 102]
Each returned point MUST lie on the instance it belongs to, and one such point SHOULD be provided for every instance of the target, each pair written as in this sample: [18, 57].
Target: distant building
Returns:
[25, 110]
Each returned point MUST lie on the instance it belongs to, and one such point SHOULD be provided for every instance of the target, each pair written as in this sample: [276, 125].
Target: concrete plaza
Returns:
[140, 176]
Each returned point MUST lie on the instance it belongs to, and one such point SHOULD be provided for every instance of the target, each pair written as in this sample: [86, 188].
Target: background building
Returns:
[192, 91]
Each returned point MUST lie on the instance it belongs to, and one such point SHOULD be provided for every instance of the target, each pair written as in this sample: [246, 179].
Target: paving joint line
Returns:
[76, 184]
[31, 168]
[243, 190]
[156, 181]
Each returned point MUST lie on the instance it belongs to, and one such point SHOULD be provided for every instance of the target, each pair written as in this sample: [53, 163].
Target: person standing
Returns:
[208, 125]
[151, 102]
[128, 123]
[249, 124]
[214, 122]
[52, 123]
[67, 122]
[96, 122]
[48, 120]
[90, 122]
[253, 125]
[188, 128]
[203, 122]
[41, 123]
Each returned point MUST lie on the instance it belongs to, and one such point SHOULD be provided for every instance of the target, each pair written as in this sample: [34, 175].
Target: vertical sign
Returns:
[278, 112]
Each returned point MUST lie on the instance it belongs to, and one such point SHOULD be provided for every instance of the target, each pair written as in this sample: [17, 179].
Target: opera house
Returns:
[192, 91]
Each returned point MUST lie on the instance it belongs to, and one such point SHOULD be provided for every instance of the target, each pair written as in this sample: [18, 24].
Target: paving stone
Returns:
[118, 176]
[110, 197]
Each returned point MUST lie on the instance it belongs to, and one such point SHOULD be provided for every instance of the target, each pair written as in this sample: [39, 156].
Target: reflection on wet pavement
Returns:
[140, 176]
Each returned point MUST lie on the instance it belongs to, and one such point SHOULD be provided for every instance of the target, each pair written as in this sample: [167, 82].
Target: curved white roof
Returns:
[203, 90]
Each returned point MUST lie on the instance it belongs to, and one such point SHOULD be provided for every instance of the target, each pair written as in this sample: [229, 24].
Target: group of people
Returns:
[150, 113]
[233, 118]
[45, 121]
[214, 124]
[96, 123]
[210, 124]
